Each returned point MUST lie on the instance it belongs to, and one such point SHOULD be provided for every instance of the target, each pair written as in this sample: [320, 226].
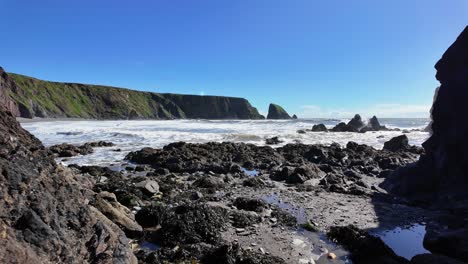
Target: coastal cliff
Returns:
[38, 98]
[44, 212]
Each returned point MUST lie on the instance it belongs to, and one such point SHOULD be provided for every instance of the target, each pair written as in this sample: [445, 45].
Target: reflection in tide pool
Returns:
[405, 241]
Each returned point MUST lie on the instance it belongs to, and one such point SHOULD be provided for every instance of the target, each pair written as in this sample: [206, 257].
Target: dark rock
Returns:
[364, 247]
[343, 127]
[208, 181]
[294, 116]
[277, 112]
[434, 259]
[242, 219]
[301, 131]
[249, 204]
[44, 214]
[67, 150]
[452, 242]
[233, 254]
[319, 128]
[273, 141]
[190, 224]
[356, 122]
[397, 143]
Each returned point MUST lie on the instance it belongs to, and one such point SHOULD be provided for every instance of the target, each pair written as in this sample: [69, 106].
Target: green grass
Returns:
[103, 102]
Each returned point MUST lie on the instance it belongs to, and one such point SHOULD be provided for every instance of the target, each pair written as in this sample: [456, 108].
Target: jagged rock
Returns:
[397, 143]
[440, 177]
[44, 215]
[356, 122]
[319, 128]
[343, 127]
[294, 116]
[277, 112]
[68, 150]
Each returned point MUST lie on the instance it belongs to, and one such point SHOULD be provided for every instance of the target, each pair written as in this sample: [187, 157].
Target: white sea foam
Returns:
[134, 135]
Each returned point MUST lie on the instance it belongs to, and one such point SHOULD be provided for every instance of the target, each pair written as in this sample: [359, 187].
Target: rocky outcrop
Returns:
[44, 211]
[277, 112]
[38, 98]
[443, 169]
[440, 177]
[356, 122]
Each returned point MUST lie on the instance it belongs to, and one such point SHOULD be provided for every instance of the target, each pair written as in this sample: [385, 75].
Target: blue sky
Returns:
[316, 58]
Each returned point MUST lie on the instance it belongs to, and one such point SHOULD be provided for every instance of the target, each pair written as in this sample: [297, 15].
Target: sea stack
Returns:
[356, 122]
[277, 112]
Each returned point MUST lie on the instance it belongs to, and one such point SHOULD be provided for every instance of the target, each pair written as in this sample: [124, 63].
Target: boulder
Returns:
[365, 248]
[107, 204]
[319, 128]
[277, 112]
[149, 186]
[398, 143]
[294, 116]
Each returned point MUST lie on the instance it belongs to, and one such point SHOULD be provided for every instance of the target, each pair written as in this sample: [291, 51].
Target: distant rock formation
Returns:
[277, 112]
[37, 98]
[356, 122]
[45, 216]
[343, 127]
[294, 116]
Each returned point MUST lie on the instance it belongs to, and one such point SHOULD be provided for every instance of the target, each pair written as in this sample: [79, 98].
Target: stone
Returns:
[397, 143]
[108, 205]
[151, 187]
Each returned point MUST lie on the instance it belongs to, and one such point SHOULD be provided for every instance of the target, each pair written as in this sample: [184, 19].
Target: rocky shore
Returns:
[240, 203]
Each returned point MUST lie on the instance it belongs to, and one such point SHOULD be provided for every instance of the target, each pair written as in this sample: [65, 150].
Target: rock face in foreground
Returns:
[44, 216]
[444, 168]
[440, 177]
[37, 98]
[277, 112]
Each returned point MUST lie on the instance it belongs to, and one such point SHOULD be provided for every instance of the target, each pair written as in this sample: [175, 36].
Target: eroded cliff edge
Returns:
[38, 98]
[44, 212]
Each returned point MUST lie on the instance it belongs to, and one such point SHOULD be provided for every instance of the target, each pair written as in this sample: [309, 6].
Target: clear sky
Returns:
[327, 58]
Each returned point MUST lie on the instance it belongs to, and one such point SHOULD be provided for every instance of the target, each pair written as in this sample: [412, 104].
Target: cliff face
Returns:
[44, 215]
[442, 174]
[7, 84]
[37, 98]
[277, 112]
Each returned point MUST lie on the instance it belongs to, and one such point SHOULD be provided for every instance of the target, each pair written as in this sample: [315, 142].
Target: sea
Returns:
[132, 135]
